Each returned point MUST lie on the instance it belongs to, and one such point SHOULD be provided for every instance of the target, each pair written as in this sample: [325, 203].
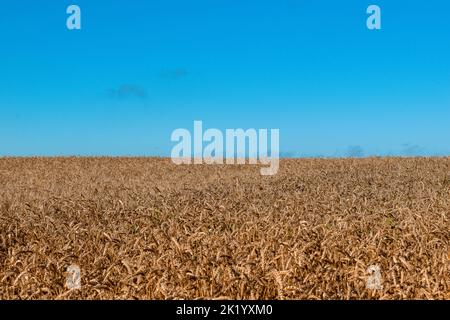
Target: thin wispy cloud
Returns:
[288, 154]
[355, 152]
[173, 73]
[412, 150]
[126, 91]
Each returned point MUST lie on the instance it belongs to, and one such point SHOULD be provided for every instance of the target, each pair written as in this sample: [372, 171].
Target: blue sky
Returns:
[137, 70]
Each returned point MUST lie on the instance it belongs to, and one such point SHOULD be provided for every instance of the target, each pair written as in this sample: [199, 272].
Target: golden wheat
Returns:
[146, 228]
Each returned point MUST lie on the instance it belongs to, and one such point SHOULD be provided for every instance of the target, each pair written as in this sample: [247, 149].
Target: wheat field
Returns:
[144, 228]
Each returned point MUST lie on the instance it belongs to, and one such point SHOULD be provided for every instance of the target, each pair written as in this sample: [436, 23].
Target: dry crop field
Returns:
[146, 228]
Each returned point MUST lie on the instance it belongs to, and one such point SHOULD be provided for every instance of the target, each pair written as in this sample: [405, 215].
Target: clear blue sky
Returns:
[140, 69]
